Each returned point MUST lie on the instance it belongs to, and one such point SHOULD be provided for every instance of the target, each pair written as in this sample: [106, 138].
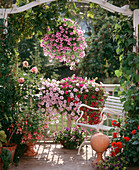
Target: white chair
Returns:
[112, 110]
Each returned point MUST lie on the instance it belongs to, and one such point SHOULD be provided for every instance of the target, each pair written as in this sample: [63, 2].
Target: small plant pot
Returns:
[11, 147]
[67, 146]
[30, 151]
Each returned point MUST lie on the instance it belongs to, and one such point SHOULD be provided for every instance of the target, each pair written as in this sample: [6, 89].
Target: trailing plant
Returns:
[64, 43]
[66, 95]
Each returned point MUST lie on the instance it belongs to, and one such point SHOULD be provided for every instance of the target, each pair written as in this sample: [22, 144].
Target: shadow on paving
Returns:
[54, 157]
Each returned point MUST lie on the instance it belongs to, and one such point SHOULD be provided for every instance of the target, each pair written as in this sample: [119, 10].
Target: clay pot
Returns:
[30, 151]
[11, 147]
[99, 143]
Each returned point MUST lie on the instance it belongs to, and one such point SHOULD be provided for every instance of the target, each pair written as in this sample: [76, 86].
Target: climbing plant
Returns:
[129, 64]
[101, 46]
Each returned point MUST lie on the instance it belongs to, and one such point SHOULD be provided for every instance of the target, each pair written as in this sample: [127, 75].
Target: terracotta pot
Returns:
[0, 164]
[99, 143]
[11, 147]
[30, 151]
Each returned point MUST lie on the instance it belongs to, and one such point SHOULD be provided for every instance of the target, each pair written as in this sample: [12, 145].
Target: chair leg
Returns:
[82, 145]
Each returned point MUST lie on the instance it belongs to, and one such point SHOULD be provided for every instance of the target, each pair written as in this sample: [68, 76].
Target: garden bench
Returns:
[112, 110]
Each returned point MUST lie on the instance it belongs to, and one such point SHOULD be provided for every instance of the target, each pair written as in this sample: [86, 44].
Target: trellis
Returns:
[4, 12]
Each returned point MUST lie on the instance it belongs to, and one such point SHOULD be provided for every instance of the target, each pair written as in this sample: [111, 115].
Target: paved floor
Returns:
[54, 157]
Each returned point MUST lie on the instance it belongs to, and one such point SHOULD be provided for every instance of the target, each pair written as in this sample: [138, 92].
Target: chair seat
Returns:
[96, 127]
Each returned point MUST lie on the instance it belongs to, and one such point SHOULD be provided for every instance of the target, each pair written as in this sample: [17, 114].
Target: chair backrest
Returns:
[113, 109]
[114, 103]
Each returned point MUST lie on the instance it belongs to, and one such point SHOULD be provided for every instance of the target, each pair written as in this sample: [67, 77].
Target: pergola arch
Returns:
[103, 4]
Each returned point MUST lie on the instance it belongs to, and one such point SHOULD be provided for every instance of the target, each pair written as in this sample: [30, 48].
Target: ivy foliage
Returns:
[129, 64]
[8, 93]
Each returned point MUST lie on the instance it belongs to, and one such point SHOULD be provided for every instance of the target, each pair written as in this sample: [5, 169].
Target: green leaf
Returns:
[135, 143]
[118, 73]
[135, 159]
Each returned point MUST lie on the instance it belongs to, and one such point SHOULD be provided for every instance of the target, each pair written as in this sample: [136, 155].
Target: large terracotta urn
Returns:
[99, 143]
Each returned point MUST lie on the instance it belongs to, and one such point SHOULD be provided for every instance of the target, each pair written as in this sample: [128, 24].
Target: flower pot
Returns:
[11, 147]
[67, 146]
[0, 163]
[30, 151]
[99, 143]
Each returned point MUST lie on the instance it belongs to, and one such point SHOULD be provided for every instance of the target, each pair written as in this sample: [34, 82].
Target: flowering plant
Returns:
[70, 138]
[65, 96]
[124, 146]
[65, 44]
[30, 121]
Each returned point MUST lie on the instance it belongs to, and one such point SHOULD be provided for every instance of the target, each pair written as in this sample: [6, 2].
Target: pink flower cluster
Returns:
[65, 96]
[33, 70]
[67, 44]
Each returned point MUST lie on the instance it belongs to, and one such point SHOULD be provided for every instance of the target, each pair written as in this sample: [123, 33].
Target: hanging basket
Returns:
[65, 44]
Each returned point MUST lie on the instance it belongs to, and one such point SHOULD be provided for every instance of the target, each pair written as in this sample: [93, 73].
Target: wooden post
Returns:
[69, 122]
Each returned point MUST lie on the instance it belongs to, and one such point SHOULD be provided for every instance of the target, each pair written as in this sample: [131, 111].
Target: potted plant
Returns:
[6, 157]
[70, 138]
[30, 119]
[32, 128]
[7, 149]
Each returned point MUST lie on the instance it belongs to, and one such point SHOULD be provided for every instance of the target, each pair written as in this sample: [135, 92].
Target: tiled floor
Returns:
[54, 157]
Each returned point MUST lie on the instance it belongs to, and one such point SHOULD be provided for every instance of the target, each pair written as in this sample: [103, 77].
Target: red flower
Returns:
[113, 144]
[66, 92]
[93, 97]
[113, 154]
[93, 104]
[117, 150]
[81, 108]
[126, 138]
[138, 127]
[133, 132]
[78, 95]
[84, 97]
[114, 122]
[115, 135]
[118, 124]
[119, 145]
[81, 85]
[68, 99]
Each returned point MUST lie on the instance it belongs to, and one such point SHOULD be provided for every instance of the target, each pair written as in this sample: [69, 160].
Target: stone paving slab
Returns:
[54, 157]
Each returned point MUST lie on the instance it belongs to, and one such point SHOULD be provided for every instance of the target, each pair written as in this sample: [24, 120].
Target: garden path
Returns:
[54, 157]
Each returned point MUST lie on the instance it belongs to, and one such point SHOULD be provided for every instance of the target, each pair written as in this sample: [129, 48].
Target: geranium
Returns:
[65, 96]
[115, 123]
[115, 135]
[126, 138]
[65, 44]
[126, 141]
[133, 132]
